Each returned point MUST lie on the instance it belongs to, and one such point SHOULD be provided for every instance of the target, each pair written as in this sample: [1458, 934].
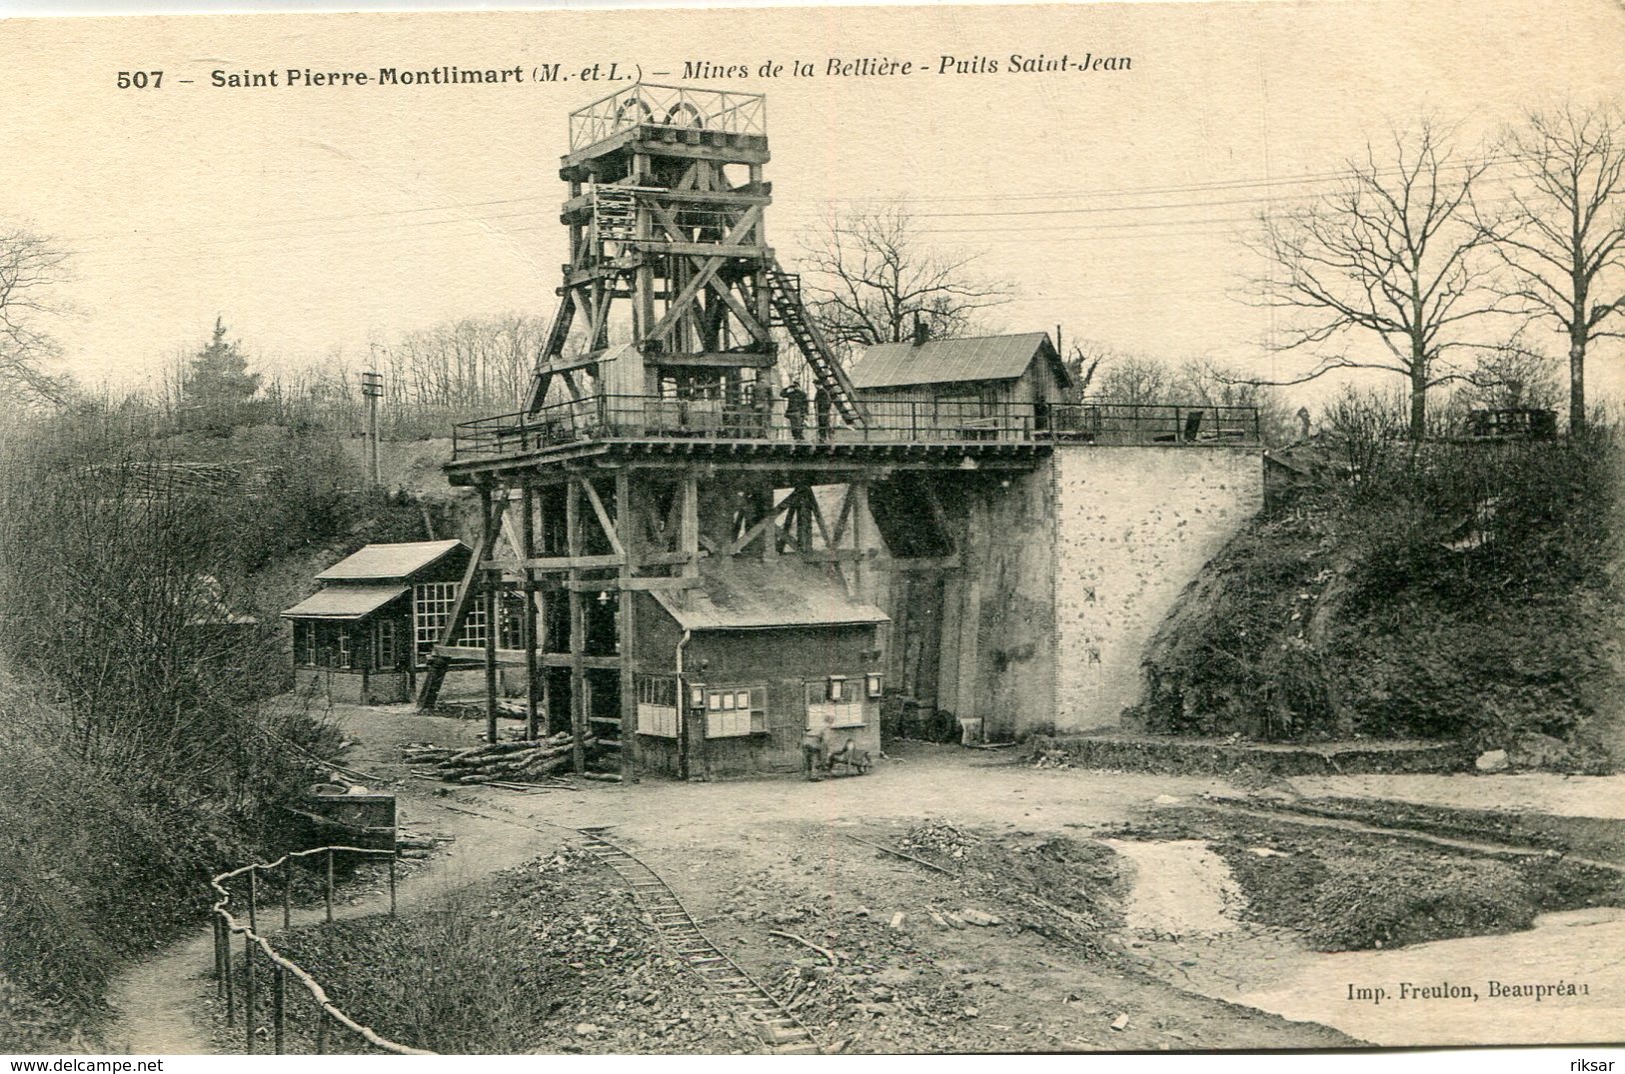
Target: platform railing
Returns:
[651, 104]
[930, 422]
[238, 981]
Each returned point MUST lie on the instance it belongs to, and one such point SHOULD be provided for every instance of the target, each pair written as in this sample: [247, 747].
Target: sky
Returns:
[327, 220]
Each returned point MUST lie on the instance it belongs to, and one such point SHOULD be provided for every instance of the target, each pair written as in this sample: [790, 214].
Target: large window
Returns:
[657, 705]
[431, 607]
[733, 711]
[837, 697]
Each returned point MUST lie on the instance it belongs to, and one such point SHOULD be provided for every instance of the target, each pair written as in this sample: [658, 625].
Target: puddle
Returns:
[1562, 981]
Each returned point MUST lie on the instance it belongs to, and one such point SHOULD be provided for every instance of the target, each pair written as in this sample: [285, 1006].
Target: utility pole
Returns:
[372, 389]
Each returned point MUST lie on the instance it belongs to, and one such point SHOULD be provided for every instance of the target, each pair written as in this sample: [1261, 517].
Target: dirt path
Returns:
[164, 1002]
[160, 999]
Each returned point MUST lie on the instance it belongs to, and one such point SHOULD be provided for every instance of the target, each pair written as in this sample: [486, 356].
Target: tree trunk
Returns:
[1577, 385]
[1419, 403]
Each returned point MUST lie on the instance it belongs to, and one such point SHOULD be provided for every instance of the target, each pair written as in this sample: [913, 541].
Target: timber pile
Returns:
[509, 762]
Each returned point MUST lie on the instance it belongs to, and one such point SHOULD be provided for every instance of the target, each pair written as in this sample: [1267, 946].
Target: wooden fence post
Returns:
[219, 977]
[392, 885]
[330, 885]
[225, 961]
[253, 894]
[321, 1030]
[248, 991]
[279, 1005]
[287, 892]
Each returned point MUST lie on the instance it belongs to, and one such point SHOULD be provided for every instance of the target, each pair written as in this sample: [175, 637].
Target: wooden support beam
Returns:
[527, 552]
[661, 559]
[565, 563]
[630, 583]
[626, 516]
[927, 563]
[860, 512]
[493, 610]
[578, 633]
[842, 519]
[491, 509]
[836, 555]
[604, 521]
[565, 660]
[688, 532]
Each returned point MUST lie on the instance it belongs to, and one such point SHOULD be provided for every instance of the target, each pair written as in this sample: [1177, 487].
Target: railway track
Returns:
[782, 1032]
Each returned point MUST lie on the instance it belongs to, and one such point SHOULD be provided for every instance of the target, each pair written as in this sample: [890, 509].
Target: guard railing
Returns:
[925, 422]
[256, 985]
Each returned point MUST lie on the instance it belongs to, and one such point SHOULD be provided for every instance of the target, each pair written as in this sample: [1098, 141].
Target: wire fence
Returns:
[254, 987]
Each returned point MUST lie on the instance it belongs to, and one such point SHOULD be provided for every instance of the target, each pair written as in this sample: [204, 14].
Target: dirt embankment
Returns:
[1459, 591]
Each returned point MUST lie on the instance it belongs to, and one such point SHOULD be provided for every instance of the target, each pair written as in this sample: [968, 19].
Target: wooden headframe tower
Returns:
[671, 286]
[653, 444]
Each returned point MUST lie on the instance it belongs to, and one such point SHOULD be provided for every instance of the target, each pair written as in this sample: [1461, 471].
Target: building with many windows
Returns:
[364, 634]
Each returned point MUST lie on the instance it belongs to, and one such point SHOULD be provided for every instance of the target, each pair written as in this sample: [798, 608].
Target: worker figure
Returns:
[824, 408]
[815, 747]
[795, 410]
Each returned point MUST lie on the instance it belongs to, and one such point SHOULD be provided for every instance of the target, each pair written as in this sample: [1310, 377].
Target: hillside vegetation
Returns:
[141, 744]
[1465, 590]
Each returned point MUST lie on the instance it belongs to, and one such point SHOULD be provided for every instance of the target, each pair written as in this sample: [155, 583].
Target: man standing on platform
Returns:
[795, 410]
[824, 408]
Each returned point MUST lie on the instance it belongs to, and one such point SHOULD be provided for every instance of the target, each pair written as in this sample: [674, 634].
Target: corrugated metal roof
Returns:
[939, 361]
[747, 594]
[381, 561]
[345, 601]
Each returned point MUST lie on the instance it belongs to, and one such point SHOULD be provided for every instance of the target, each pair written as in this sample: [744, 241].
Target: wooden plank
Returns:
[491, 509]
[527, 551]
[604, 521]
[715, 360]
[565, 563]
[493, 612]
[632, 584]
[578, 633]
[625, 516]
[565, 660]
[661, 559]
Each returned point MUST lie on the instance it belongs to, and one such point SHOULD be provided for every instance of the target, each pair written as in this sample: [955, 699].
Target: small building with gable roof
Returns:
[362, 636]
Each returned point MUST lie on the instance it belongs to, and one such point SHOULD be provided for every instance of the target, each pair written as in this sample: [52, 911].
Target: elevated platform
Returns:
[931, 435]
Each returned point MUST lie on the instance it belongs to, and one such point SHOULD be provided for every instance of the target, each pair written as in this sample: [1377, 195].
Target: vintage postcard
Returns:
[814, 530]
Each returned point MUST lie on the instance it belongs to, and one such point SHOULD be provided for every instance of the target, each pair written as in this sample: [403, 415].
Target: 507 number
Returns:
[140, 79]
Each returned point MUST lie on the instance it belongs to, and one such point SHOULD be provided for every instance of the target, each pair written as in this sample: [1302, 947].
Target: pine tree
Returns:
[218, 384]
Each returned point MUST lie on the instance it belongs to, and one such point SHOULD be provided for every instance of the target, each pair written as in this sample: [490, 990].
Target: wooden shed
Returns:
[730, 674]
[363, 634]
[1006, 381]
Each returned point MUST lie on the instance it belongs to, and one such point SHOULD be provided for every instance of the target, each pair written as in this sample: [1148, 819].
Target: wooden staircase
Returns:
[791, 314]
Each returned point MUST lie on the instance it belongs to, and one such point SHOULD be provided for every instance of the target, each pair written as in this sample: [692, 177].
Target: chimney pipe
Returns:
[921, 332]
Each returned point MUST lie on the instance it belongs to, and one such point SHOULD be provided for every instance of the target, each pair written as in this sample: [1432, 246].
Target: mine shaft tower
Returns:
[671, 284]
[652, 482]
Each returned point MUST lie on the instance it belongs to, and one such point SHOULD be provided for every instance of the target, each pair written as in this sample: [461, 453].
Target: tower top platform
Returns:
[678, 114]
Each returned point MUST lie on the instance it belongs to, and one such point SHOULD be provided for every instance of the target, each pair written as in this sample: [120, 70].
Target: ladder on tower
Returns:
[615, 213]
[792, 315]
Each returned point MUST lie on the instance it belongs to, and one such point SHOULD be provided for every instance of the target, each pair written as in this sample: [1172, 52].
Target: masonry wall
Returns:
[998, 645]
[1133, 526]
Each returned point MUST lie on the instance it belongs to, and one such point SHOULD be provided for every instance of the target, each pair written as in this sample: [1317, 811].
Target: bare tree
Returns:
[872, 270]
[1133, 380]
[1564, 237]
[1393, 256]
[1511, 374]
[30, 267]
